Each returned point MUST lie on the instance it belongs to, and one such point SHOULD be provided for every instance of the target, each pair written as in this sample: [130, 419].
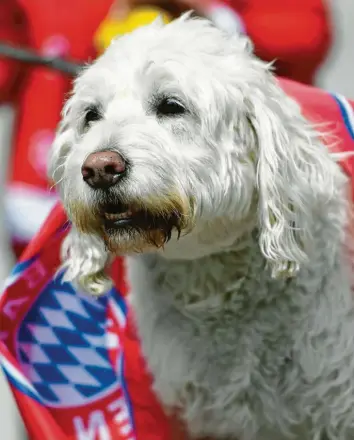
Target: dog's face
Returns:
[178, 130]
[149, 150]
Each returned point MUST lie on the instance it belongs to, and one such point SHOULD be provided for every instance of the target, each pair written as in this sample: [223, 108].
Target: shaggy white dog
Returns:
[179, 149]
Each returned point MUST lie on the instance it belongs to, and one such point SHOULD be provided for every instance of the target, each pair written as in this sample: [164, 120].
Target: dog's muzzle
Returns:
[115, 216]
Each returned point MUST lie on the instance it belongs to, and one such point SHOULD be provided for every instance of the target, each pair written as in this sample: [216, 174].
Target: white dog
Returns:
[179, 149]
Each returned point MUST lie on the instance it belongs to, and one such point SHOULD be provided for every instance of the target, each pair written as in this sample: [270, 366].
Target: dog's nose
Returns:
[103, 169]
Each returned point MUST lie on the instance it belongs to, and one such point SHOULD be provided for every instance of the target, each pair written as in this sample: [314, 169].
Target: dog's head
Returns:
[178, 137]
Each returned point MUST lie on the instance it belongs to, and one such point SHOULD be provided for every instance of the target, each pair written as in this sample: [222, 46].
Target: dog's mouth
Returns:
[119, 216]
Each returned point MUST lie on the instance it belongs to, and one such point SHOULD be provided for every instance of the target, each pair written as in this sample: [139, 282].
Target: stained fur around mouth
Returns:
[139, 219]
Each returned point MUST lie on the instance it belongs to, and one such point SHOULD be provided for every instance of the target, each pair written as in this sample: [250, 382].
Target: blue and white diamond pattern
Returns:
[63, 349]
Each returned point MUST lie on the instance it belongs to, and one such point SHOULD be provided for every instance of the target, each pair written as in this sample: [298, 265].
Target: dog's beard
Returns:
[134, 227]
[137, 241]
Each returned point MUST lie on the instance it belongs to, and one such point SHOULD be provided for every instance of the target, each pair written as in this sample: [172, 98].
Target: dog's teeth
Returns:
[119, 216]
[110, 216]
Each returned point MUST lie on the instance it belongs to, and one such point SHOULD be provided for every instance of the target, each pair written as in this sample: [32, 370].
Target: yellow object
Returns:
[112, 27]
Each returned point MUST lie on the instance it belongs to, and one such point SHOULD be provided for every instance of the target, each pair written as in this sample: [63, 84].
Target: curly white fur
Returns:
[247, 321]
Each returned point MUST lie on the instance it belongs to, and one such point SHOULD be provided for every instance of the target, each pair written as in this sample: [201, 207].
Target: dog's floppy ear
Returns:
[61, 146]
[84, 256]
[298, 182]
[85, 261]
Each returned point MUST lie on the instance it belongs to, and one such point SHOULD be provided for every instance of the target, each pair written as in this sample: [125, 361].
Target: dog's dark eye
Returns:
[91, 115]
[170, 107]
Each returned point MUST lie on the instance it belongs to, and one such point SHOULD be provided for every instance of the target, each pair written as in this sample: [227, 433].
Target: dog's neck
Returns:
[234, 278]
[207, 282]
[211, 238]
